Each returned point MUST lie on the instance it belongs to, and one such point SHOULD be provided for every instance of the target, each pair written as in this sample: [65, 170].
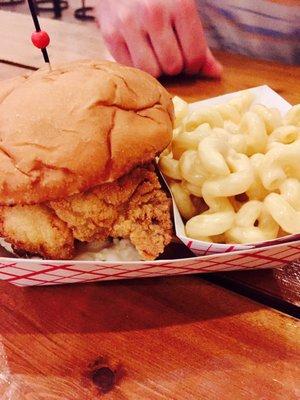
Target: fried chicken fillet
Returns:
[36, 230]
[133, 207]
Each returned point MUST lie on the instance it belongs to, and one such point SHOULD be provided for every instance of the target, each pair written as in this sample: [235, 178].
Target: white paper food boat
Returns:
[214, 257]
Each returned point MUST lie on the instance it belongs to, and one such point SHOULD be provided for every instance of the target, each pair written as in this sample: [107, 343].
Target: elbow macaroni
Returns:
[256, 191]
[285, 207]
[181, 110]
[256, 135]
[189, 140]
[191, 169]
[244, 229]
[243, 101]
[290, 190]
[279, 163]
[270, 116]
[217, 220]
[293, 116]
[241, 160]
[183, 201]
[283, 135]
[213, 153]
[235, 183]
[283, 213]
[208, 115]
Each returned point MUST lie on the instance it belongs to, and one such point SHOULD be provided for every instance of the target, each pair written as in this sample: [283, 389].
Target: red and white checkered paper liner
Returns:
[263, 95]
[41, 272]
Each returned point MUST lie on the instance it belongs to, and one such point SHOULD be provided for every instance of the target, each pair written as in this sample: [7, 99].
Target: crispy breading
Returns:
[36, 230]
[133, 207]
[146, 220]
[91, 215]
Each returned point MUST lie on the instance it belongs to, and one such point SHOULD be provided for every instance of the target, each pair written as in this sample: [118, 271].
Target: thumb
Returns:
[211, 67]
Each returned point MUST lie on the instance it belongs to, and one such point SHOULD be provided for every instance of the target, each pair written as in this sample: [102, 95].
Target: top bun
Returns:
[80, 125]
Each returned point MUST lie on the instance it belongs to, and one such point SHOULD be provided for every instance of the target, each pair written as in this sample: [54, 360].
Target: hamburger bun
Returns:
[80, 125]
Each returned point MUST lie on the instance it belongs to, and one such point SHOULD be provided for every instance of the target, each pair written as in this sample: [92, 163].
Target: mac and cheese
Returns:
[241, 161]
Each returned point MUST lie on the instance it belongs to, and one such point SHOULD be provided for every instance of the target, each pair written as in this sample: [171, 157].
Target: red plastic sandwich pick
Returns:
[40, 39]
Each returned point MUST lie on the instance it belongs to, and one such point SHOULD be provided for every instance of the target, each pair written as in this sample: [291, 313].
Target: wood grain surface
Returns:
[166, 338]
[80, 41]
[240, 73]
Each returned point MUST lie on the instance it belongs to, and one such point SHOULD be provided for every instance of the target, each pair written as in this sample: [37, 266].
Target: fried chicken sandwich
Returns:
[77, 146]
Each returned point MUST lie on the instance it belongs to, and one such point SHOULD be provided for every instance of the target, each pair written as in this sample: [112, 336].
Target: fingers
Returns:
[117, 47]
[158, 24]
[167, 51]
[191, 37]
[158, 36]
[140, 50]
[211, 68]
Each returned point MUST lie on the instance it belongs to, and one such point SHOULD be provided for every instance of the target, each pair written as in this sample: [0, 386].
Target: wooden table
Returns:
[165, 338]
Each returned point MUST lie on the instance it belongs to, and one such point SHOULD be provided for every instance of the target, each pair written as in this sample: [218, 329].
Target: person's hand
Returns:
[158, 36]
